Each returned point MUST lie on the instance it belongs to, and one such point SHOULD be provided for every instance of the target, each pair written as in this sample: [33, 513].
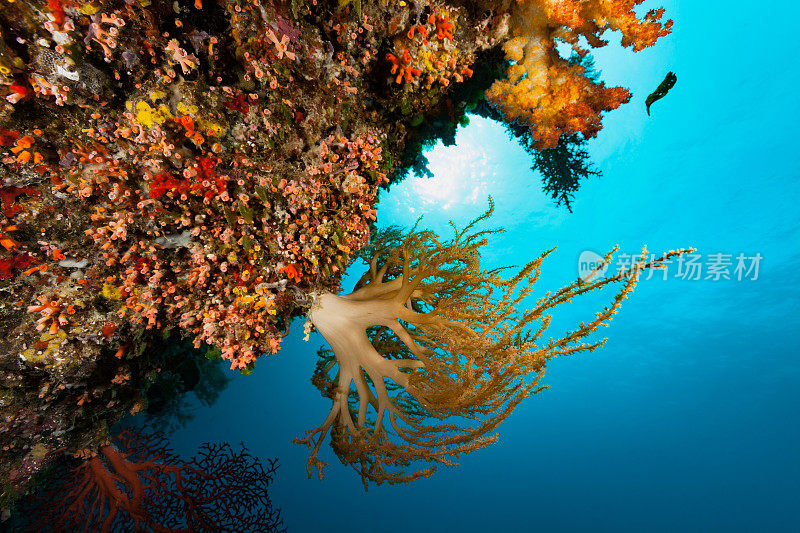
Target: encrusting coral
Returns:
[437, 350]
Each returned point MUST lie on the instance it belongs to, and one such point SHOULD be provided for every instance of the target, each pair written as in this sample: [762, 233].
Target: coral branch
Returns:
[440, 348]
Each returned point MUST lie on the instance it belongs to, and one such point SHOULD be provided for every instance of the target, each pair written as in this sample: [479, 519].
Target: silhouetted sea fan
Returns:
[136, 483]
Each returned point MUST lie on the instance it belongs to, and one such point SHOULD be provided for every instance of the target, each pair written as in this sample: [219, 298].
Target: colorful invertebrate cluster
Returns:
[428, 54]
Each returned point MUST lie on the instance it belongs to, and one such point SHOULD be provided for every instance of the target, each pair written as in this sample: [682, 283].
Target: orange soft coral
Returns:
[550, 94]
[402, 67]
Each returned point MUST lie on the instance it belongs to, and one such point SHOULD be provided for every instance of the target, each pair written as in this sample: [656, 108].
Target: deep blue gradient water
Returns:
[688, 419]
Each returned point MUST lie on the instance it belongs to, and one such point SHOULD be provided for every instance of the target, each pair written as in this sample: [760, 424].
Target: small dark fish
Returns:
[662, 90]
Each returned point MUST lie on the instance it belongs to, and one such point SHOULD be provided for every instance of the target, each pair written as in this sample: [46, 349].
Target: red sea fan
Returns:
[136, 483]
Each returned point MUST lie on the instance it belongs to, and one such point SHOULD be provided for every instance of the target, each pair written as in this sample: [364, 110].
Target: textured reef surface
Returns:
[202, 167]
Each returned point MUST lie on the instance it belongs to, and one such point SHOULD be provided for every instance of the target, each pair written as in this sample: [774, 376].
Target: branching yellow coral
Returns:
[437, 352]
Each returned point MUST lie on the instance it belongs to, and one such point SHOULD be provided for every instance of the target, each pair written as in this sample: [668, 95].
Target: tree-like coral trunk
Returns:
[343, 322]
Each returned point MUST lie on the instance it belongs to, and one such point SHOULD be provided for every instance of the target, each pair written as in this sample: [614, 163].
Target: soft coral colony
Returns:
[438, 351]
[207, 165]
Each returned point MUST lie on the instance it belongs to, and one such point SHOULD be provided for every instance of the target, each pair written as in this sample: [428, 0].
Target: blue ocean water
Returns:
[689, 417]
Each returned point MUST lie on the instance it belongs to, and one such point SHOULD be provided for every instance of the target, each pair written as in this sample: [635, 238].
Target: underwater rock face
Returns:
[204, 166]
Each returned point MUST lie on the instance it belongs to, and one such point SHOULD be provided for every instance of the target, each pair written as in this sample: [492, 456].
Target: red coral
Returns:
[137, 483]
[162, 183]
[19, 262]
[205, 181]
[239, 104]
[57, 10]
[444, 28]
[8, 197]
[108, 329]
[5, 268]
[402, 67]
[8, 136]
[293, 271]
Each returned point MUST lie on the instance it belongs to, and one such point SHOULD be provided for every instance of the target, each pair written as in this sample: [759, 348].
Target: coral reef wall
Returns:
[201, 167]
